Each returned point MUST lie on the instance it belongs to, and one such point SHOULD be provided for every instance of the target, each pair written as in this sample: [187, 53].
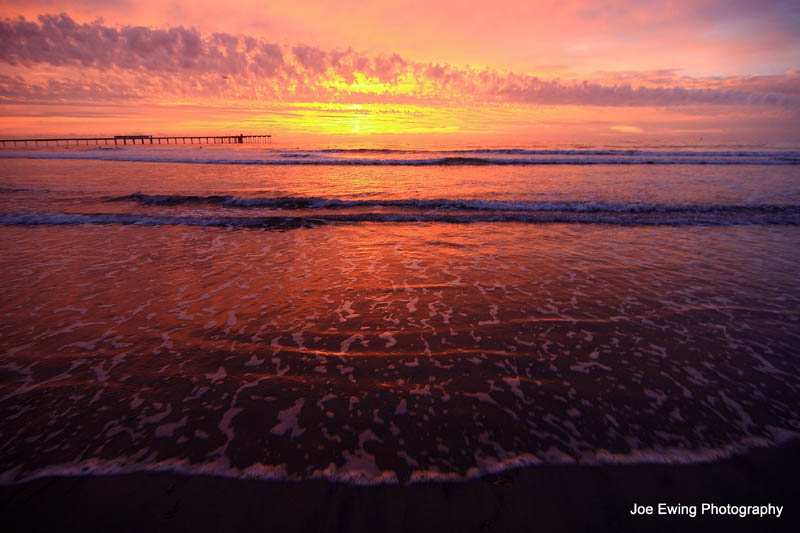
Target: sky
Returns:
[506, 72]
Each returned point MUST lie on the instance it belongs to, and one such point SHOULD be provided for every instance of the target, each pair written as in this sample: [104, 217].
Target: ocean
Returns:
[392, 316]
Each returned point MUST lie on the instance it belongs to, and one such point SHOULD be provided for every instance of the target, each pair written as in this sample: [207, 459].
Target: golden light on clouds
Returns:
[362, 119]
[624, 128]
[589, 71]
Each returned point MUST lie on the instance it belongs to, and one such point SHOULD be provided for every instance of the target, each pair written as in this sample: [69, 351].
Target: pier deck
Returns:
[136, 139]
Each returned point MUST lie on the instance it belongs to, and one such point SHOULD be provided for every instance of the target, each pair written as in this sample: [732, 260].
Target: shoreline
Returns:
[544, 498]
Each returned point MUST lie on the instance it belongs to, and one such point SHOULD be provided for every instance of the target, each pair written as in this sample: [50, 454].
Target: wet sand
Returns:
[549, 498]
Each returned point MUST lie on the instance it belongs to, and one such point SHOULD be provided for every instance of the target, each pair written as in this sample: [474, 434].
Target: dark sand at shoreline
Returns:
[550, 498]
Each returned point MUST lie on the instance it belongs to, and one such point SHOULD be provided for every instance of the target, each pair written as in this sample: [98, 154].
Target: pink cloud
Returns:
[138, 61]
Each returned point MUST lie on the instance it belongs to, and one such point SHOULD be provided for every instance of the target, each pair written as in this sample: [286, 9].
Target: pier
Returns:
[137, 139]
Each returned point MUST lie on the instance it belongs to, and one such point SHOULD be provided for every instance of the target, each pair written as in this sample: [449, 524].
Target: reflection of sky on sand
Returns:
[372, 352]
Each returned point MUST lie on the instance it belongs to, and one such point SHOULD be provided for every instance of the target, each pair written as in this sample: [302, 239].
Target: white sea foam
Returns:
[360, 467]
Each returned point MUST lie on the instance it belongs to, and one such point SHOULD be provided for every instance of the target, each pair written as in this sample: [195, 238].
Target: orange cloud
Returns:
[177, 62]
[701, 37]
[70, 69]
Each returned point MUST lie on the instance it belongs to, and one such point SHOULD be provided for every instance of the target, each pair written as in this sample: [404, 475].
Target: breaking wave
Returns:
[613, 215]
[370, 157]
[366, 473]
[447, 204]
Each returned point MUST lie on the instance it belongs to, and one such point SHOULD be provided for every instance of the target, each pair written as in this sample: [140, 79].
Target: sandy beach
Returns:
[551, 498]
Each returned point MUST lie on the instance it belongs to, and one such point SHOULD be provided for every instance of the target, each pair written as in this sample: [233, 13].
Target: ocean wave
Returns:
[510, 157]
[756, 216]
[71, 219]
[8, 190]
[367, 473]
[688, 152]
[447, 204]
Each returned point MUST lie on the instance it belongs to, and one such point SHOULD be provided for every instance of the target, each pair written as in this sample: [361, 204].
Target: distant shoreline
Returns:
[543, 498]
